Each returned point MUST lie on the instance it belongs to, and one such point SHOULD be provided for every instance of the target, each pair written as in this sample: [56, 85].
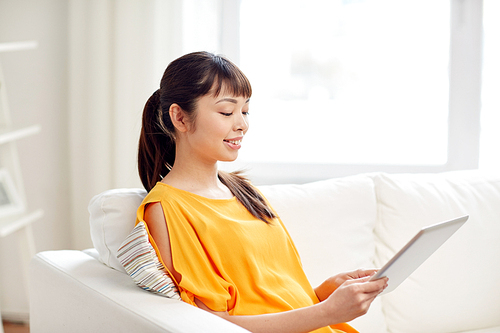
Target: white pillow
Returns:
[331, 223]
[457, 288]
[112, 218]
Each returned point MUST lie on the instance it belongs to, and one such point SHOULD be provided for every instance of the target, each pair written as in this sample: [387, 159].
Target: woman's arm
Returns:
[157, 226]
[351, 298]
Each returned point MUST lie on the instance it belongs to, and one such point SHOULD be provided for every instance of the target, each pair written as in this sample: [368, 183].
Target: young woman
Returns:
[221, 242]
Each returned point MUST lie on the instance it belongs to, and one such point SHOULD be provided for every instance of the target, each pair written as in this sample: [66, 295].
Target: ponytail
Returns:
[156, 143]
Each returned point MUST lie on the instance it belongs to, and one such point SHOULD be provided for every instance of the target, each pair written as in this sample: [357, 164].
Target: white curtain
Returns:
[118, 51]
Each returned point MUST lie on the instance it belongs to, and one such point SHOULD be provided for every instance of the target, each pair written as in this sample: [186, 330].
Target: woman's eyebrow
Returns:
[231, 100]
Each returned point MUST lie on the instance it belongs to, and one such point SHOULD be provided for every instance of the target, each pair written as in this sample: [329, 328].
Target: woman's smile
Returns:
[234, 143]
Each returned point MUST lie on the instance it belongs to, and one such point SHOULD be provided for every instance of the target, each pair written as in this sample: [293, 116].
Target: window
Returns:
[347, 82]
[350, 86]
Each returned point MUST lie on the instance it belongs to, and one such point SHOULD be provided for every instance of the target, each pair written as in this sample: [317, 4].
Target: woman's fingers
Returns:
[369, 286]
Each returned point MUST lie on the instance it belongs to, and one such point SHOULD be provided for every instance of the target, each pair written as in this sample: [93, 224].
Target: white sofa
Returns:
[338, 224]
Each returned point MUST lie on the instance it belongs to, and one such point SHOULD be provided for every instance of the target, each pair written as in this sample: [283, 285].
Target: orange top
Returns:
[230, 260]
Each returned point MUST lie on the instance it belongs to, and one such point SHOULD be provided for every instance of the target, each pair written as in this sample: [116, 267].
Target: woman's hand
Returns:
[353, 297]
[332, 283]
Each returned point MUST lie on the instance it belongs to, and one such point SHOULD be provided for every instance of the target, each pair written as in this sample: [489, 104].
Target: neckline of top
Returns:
[196, 195]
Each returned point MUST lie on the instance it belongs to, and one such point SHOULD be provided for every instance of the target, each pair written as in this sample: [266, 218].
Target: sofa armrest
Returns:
[71, 291]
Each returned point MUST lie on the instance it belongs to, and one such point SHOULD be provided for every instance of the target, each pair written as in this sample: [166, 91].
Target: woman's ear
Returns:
[178, 117]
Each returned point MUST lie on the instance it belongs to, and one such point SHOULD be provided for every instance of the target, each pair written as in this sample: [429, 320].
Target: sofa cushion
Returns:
[112, 218]
[138, 257]
[454, 290]
[331, 223]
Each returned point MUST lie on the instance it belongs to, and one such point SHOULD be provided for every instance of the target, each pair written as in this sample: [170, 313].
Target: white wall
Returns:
[37, 91]
[86, 85]
[118, 51]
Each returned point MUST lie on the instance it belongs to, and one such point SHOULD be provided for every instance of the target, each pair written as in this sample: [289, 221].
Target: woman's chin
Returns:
[229, 159]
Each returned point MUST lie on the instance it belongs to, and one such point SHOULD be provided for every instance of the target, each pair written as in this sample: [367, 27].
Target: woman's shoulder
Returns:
[166, 194]
[159, 192]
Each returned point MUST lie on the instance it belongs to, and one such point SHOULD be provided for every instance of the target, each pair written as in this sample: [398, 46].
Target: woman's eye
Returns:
[246, 113]
[226, 114]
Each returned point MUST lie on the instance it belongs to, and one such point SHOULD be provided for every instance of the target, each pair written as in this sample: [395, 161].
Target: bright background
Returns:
[361, 91]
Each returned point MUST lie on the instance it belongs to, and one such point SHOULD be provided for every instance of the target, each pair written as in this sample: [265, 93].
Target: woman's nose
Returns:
[241, 123]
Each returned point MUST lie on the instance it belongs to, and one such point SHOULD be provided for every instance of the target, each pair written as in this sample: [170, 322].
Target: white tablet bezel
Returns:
[416, 251]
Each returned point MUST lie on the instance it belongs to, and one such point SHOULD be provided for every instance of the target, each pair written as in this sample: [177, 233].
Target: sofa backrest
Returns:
[457, 288]
[331, 223]
[362, 221]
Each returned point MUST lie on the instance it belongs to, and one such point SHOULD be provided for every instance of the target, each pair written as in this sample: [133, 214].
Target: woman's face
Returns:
[219, 127]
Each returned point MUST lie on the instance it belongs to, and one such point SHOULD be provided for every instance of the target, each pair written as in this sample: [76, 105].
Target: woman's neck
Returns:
[198, 179]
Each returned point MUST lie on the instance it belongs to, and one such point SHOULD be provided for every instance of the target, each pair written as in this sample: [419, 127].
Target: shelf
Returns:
[13, 133]
[10, 224]
[18, 46]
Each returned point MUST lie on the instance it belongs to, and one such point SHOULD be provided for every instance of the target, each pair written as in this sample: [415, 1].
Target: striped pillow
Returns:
[139, 259]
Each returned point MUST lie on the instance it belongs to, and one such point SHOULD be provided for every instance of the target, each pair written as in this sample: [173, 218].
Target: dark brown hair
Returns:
[185, 80]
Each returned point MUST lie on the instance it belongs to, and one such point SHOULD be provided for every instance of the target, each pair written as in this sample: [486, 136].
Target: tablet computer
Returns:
[416, 251]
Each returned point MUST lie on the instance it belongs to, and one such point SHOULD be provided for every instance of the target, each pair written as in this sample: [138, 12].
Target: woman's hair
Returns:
[185, 80]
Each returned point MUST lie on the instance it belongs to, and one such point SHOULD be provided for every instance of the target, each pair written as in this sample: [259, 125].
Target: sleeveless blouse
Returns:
[230, 260]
